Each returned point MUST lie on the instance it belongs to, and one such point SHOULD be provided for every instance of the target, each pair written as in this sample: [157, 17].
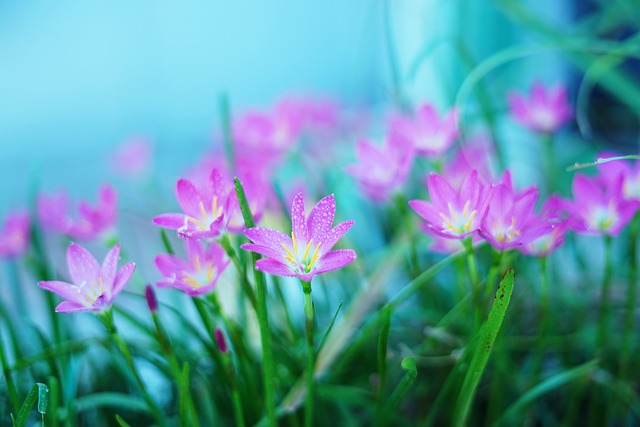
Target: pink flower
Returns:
[14, 237]
[197, 274]
[206, 209]
[474, 153]
[92, 221]
[628, 171]
[307, 252]
[94, 287]
[547, 243]
[382, 170]
[509, 220]
[133, 158]
[430, 135]
[544, 111]
[451, 213]
[599, 207]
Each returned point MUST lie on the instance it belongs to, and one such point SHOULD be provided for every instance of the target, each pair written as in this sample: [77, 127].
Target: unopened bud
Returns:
[152, 301]
[221, 340]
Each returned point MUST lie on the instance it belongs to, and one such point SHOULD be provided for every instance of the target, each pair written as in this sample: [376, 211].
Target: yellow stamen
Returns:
[306, 250]
[314, 258]
[290, 257]
[295, 245]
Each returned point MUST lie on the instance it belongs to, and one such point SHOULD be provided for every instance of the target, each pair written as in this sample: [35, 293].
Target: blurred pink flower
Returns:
[430, 134]
[207, 209]
[452, 213]
[93, 287]
[628, 171]
[133, 158]
[599, 207]
[544, 111]
[307, 252]
[92, 221]
[14, 236]
[509, 220]
[381, 170]
[547, 243]
[474, 153]
[196, 275]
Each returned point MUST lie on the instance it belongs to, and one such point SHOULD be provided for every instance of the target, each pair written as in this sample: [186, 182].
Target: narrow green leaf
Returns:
[54, 400]
[333, 320]
[38, 393]
[184, 389]
[383, 339]
[121, 422]
[488, 334]
[514, 411]
[408, 364]
[120, 401]
[166, 242]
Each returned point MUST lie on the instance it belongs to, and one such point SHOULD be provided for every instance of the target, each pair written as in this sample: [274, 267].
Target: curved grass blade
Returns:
[488, 334]
[39, 393]
[409, 365]
[121, 422]
[333, 320]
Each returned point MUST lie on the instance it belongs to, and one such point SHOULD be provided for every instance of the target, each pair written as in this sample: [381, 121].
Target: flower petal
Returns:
[298, 220]
[273, 266]
[268, 237]
[321, 218]
[335, 260]
[83, 267]
[110, 265]
[335, 234]
[264, 250]
[441, 192]
[189, 198]
[72, 307]
[122, 278]
[171, 221]
[66, 290]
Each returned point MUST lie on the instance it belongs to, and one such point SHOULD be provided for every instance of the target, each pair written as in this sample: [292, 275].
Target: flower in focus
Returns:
[133, 158]
[544, 111]
[599, 207]
[14, 236]
[94, 286]
[197, 274]
[451, 213]
[430, 135]
[547, 243]
[92, 222]
[206, 209]
[382, 170]
[307, 252]
[509, 220]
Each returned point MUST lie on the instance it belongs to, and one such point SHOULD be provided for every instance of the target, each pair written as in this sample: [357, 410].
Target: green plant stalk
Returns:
[545, 310]
[309, 315]
[548, 162]
[474, 279]
[192, 419]
[632, 293]
[488, 335]
[107, 319]
[605, 307]
[268, 370]
[225, 242]
[11, 386]
[409, 365]
[383, 339]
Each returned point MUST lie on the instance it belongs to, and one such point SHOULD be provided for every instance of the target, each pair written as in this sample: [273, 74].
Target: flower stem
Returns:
[107, 319]
[605, 306]
[309, 317]
[475, 283]
[263, 315]
[632, 292]
[225, 242]
[549, 169]
[545, 302]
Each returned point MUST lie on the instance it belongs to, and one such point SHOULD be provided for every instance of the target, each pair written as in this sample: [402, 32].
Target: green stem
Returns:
[475, 283]
[548, 162]
[632, 292]
[175, 370]
[11, 386]
[107, 320]
[225, 242]
[605, 307]
[545, 309]
[309, 317]
[268, 370]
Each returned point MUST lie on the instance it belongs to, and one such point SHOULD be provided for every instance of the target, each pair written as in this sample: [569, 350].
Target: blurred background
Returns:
[79, 79]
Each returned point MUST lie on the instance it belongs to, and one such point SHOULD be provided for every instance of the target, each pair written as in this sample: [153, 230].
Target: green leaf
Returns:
[166, 242]
[333, 320]
[488, 334]
[38, 393]
[408, 364]
[121, 422]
